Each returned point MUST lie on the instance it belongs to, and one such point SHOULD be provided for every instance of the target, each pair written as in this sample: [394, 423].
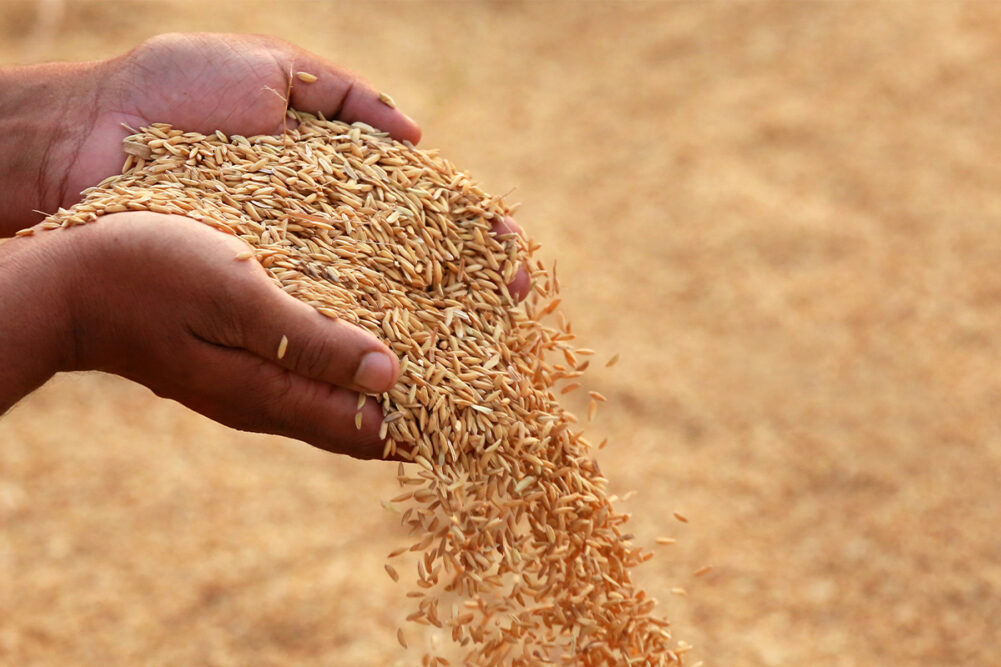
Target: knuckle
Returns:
[229, 321]
[223, 324]
[272, 404]
[293, 411]
[312, 356]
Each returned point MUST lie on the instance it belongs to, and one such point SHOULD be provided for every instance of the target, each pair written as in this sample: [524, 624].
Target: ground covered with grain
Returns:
[782, 217]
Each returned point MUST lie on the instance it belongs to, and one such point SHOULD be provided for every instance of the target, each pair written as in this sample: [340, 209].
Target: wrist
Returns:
[45, 113]
[36, 329]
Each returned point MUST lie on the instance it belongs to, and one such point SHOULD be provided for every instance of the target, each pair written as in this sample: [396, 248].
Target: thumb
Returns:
[280, 328]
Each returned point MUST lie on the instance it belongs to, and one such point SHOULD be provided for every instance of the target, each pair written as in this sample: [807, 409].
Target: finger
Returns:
[240, 390]
[342, 94]
[278, 327]
[520, 286]
[507, 225]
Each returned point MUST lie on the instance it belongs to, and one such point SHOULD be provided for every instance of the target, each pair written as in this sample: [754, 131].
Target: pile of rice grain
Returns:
[520, 556]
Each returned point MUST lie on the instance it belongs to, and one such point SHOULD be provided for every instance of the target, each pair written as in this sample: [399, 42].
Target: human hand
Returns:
[163, 301]
[196, 81]
[67, 118]
[204, 82]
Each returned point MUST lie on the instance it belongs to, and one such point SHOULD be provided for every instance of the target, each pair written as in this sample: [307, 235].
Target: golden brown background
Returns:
[786, 217]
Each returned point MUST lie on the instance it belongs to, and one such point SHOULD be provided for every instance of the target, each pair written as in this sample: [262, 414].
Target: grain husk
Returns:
[519, 554]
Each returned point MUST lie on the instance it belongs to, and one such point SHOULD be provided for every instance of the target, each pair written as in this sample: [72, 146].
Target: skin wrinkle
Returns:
[344, 99]
[47, 165]
[233, 108]
[44, 173]
[232, 98]
[202, 79]
[72, 306]
[287, 95]
[91, 121]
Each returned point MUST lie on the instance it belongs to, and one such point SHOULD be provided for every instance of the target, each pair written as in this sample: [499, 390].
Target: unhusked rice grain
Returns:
[520, 557]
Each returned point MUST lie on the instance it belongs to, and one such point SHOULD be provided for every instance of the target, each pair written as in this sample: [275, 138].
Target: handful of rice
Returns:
[520, 555]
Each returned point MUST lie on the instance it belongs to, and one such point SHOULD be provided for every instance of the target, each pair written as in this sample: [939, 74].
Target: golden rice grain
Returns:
[702, 571]
[282, 347]
[509, 511]
[681, 517]
[305, 77]
[387, 100]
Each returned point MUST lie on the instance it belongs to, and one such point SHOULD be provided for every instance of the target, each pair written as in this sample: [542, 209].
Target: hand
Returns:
[200, 82]
[163, 300]
[205, 82]
[62, 122]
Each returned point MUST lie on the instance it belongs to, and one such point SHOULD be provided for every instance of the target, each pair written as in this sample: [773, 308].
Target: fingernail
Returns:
[375, 372]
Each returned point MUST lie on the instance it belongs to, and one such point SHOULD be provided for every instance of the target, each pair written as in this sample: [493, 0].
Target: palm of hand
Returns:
[205, 86]
[204, 82]
[194, 83]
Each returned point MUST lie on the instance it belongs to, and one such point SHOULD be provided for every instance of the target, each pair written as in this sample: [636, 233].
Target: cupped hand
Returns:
[164, 301]
[204, 82]
[234, 83]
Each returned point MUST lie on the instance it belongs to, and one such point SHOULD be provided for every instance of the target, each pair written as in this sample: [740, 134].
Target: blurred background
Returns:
[786, 218]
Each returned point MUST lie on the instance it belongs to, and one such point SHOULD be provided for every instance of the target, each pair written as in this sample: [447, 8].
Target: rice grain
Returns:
[508, 510]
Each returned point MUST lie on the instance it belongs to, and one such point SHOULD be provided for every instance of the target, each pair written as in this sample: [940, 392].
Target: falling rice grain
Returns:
[398, 242]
